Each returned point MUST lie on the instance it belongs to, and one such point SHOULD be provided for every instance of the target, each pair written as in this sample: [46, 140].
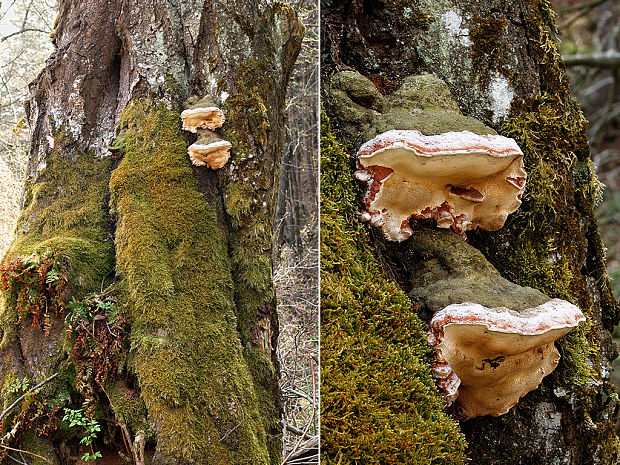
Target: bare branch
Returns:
[27, 29]
[20, 398]
[610, 59]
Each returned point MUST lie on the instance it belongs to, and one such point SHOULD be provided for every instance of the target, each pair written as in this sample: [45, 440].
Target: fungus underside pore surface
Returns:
[173, 260]
[378, 399]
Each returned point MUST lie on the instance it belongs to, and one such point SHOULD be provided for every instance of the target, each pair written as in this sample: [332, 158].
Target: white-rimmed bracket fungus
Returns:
[493, 339]
[202, 114]
[421, 158]
[494, 356]
[461, 180]
[209, 150]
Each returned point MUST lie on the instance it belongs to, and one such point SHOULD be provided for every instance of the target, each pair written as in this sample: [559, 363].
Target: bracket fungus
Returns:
[488, 358]
[461, 180]
[493, 339]
[202, 115]
[209, 150]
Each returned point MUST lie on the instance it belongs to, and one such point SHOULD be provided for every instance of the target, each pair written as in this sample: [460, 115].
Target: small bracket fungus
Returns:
[202, 115]
[209, 150]
[488, 358]
[461, 180]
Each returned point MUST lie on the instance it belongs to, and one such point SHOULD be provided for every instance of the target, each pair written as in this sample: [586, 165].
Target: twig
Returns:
[124, 430]
[138, 448]
[240, 423]
[609, 59]
[19, 399]
[290, 454]
[581, 6]
[581, 10]
[26, 452]
[295, 430]
[297, 393]
[28, 29]
[17, 461]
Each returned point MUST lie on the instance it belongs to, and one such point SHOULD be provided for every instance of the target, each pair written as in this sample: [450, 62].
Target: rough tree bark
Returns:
[184, 252]
[500, 62]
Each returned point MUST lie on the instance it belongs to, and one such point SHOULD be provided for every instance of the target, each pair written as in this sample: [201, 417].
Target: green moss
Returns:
[254, 127]
[379, 403]
[551, 133]
[552, 243]
[65, 212]
[448, 271]
[550, 129]
[432, 122]
[62, 137]
[8, 388]
[553, 237]
[359, 90]
[487, 48]
[174, 262]
[248, 107]
[40, 446]
[425, 92]
[129, 409]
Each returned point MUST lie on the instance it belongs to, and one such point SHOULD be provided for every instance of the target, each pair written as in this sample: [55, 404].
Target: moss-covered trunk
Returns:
[181, 253]
[500, 62]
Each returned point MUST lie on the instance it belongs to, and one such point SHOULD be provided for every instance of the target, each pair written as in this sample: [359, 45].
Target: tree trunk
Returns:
[500, 62]
[184, 252]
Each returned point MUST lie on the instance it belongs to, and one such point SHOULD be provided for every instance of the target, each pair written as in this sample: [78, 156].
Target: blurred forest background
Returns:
[26, 33]
[590, 45]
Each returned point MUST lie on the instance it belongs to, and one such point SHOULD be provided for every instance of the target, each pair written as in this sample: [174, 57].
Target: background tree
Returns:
[296, 251]
[501, 63]
[164, 270]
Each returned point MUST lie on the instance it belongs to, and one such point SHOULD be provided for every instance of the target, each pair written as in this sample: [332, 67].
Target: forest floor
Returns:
[296, 280]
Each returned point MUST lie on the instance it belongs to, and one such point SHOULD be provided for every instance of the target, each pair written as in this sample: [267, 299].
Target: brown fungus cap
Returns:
[202, 114]
[461, 180]
[209, 150]
[499, 355]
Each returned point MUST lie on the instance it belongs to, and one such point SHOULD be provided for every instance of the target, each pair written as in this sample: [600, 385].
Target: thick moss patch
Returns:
[186, 351]
[379, 403]
[65, 213]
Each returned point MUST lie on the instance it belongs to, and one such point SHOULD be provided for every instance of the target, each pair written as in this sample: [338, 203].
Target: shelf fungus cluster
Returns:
[488, 358]
[461, 180]
[203, 117]
[493, 340]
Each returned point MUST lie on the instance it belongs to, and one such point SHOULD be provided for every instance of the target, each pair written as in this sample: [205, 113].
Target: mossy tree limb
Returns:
[198, 288]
